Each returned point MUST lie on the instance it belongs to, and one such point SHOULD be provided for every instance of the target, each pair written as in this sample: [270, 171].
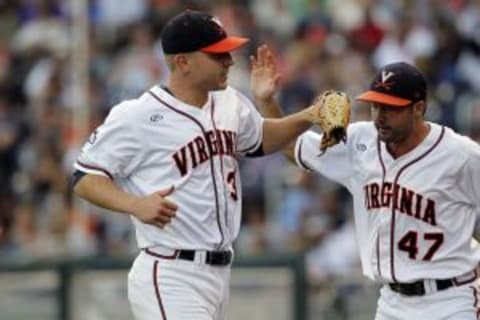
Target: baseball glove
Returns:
[332, 116]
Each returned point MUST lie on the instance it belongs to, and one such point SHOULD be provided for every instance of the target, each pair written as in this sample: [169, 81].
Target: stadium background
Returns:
[64, 63]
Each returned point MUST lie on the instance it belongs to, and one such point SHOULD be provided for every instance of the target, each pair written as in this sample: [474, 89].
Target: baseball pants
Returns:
[162, 289]
[455, 303]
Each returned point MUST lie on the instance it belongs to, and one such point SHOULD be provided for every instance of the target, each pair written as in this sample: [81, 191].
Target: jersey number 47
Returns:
[410, 242]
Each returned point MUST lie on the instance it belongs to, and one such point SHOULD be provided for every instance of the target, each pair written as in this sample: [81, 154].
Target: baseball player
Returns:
[416, 192]
[169, 160]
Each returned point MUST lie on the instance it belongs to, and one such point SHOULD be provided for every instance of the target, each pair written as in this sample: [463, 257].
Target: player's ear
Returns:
[181, 61]
[419, 109]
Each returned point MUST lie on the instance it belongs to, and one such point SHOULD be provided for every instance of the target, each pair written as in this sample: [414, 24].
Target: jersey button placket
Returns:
[219, 184]
[219, 176]
[384, 247]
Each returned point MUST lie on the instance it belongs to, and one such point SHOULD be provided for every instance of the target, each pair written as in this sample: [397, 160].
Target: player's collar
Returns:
[164, 87]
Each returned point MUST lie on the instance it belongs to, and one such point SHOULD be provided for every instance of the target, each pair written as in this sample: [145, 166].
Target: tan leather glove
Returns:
[332, 115]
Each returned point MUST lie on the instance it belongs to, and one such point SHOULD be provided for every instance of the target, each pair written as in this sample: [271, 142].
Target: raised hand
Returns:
[264, 79]
[155, 208]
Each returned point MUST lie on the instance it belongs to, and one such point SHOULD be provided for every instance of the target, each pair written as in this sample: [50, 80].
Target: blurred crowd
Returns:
[320, 44]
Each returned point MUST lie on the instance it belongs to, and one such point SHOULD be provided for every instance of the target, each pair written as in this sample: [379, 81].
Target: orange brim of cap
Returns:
[225, 45]
[378, 97]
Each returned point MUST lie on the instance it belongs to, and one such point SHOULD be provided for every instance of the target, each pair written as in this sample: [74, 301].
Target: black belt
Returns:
[214, 258]
[417, 288]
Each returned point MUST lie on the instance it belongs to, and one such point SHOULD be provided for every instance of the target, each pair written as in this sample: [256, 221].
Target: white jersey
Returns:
[414, 215]
[156, 141]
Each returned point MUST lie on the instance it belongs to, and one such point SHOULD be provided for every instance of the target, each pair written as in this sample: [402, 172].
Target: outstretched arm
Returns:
[278, 131]
[281, 134]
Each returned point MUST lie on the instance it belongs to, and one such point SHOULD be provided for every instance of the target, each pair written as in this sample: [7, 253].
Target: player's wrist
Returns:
[265, 102]
[308, 114]
[269, 108]
[131, 204]
[264, 99]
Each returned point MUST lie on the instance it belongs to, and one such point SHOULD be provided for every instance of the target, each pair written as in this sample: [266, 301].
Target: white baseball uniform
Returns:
[414, 217]
[155, 142]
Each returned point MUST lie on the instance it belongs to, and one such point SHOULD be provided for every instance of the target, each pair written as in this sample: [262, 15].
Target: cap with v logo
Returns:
[197, 31]
[398, 84]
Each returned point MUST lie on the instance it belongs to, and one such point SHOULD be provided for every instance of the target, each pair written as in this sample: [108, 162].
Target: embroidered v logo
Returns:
[386, 75]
